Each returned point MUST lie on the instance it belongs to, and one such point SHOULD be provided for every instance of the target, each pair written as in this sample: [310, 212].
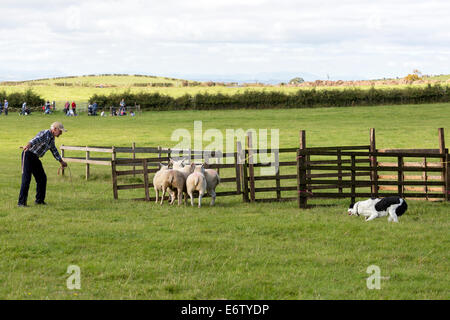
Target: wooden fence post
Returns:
[373, 164]
[147, 191]
[301, 173]
[277, 173]
[114, 179]
[353, 172]
[113, 154]
[251, 169]
[133, 147]
[425, 177]
[298, 178]
[400, 177]
[237, 164]
[245, 175]
[243, 167]
[447, 180]
[339, 161]
[62, 155]
[87, 164]
[159, 157]
[442, 151]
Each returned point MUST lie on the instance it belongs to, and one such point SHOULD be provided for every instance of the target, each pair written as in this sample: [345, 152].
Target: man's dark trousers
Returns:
[32, 166]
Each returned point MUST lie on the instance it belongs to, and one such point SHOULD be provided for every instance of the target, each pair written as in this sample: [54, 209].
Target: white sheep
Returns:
[176, 179]
[211, 175]
[196, 182]
[158, 181]
[212, 180]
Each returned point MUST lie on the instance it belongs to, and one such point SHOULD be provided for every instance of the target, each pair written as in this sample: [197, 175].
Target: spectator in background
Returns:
[66, 107]
[47, 108]
[25, 110]
[1, 108]
[90, 112]
[5, 106]
[74, 108]
[122, 109]
[94, 108]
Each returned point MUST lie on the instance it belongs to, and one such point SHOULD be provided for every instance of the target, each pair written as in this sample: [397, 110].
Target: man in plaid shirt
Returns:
[31, 165]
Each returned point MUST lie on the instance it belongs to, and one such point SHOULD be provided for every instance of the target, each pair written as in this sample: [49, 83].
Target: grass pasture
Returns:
[138, 250]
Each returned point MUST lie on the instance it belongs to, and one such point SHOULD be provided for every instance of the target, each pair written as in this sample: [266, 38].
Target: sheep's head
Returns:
[191, 167]
[179, 164]
[163, 167]
[200, 169]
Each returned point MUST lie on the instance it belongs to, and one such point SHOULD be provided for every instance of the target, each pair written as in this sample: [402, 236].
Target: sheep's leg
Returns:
[200, 195]
[180, 197]
[172, 196]
[213, 196]
[192, 198]
[163, 195]
[157, 194]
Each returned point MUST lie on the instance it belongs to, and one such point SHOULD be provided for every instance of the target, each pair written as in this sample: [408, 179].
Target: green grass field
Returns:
[235, 250]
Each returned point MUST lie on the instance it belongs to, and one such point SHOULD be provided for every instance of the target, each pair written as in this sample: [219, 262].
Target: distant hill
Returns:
[103, 80]
[125, 80]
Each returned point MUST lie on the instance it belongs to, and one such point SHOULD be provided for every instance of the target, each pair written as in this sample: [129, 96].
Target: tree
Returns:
[417, 72]
[296, 80]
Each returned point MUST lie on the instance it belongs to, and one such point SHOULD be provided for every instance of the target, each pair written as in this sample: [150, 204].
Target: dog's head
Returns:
[353, 210]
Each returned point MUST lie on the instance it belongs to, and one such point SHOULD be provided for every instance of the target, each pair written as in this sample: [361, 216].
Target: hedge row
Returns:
[252, 99]
[16, 99]
[302, 98]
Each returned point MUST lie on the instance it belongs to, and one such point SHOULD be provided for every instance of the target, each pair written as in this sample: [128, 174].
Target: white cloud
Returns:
[350, 37]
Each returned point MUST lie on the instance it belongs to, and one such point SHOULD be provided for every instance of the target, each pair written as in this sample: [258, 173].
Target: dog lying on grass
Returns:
[393, 206]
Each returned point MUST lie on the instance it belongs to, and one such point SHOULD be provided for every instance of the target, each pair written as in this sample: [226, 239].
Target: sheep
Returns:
[158, 181]
[196, 182]
[211, 175]
[176, 179]
[212, 180]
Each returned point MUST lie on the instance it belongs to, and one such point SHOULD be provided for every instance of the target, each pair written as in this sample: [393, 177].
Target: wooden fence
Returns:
[409, 173]
[283, 183]
[299, 173]
[149, 166]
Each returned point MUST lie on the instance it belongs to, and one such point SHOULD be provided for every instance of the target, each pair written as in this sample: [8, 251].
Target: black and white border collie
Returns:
[393, 206]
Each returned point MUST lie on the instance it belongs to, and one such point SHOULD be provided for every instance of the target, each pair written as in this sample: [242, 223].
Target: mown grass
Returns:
[138, 250]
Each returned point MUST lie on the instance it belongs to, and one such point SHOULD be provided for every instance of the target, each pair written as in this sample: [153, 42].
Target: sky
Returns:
[224, 39]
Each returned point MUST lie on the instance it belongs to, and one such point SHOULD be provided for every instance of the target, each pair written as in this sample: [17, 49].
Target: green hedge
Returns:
[303, 98]
[16, 99]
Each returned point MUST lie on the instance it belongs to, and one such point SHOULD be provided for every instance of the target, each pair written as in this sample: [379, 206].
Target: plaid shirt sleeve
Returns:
[54, 151]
